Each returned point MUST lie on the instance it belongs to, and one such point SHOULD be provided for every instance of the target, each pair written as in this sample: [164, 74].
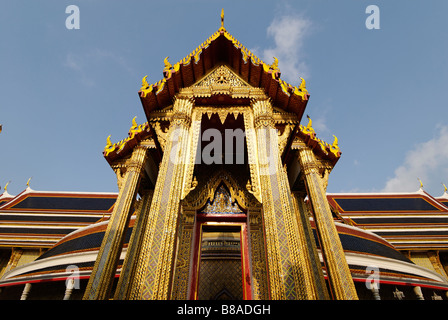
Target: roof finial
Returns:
[444, 187]
[145, 83]
[167, 64]
[222, 18]
[302, 86]
[28, 182]
[6, 186]
[134, 123]
[421, 183]
[108, 142]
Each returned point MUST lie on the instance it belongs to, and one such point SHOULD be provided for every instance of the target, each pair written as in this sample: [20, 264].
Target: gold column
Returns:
[340, 279]
[285, 259]
[102, 277]
[182, 272]
[156, 259]
[16, 254]
[312, 266]
[130, 262]
[436, 263]
[258, 254]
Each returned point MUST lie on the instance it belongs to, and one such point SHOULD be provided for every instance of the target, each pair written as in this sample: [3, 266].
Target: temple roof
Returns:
[362, 249]
[222, 48]
[41, 218]
[410, 221]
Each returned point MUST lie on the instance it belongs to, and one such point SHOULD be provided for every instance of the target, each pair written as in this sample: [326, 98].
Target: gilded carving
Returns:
[206, 191]
[182, 269]
[340, 277]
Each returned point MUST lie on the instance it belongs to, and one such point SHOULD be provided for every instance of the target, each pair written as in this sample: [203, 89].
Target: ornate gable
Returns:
[221, 48]
[220, 77]
[223, 81]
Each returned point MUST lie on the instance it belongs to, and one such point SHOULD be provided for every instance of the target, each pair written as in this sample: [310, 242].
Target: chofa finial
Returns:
[108, 142]
[421, 183]
[28, 182]
[145, 83]
[134, 123]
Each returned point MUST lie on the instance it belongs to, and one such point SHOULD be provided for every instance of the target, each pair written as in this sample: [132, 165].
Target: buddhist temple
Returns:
[222, 195]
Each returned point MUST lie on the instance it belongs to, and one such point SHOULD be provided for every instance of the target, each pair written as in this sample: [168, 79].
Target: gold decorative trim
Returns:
[170, 70]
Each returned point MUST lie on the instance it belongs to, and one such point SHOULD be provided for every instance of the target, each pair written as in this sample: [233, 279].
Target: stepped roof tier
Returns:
[39, 219]
[409, 221]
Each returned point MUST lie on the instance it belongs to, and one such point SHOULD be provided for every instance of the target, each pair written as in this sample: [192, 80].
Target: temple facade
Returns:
[222, 195]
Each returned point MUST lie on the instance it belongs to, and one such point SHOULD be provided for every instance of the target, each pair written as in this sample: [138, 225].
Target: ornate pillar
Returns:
[101, 279]
[312, 266]
[258, 254]
[285, 270]
[156, 258]
[340, 279]
[130, 262]
[182, 272]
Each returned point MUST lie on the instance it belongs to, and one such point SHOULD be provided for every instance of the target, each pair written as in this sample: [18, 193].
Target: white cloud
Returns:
[289, 33]
[320, 125]
[428, 161]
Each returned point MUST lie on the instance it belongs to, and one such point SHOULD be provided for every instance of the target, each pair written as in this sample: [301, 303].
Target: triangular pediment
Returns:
[222, 80]
[222, 76]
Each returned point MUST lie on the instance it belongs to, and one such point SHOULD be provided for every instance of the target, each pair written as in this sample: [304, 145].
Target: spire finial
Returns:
[421, 183]
[222, 18]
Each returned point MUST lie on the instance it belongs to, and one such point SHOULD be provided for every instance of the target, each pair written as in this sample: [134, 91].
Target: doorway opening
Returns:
[220, 263]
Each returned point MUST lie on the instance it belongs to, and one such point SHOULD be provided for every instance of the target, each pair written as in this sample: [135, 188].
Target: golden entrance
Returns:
[233, 225]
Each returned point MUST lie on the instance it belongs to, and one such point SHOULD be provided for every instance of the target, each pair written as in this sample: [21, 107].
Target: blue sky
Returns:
[381, 92]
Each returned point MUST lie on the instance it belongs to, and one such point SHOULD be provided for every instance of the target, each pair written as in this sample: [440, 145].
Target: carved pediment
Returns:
[222, 80]
[221, 77]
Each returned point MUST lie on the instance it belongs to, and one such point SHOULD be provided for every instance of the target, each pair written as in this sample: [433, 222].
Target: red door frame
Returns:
[221, 220]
